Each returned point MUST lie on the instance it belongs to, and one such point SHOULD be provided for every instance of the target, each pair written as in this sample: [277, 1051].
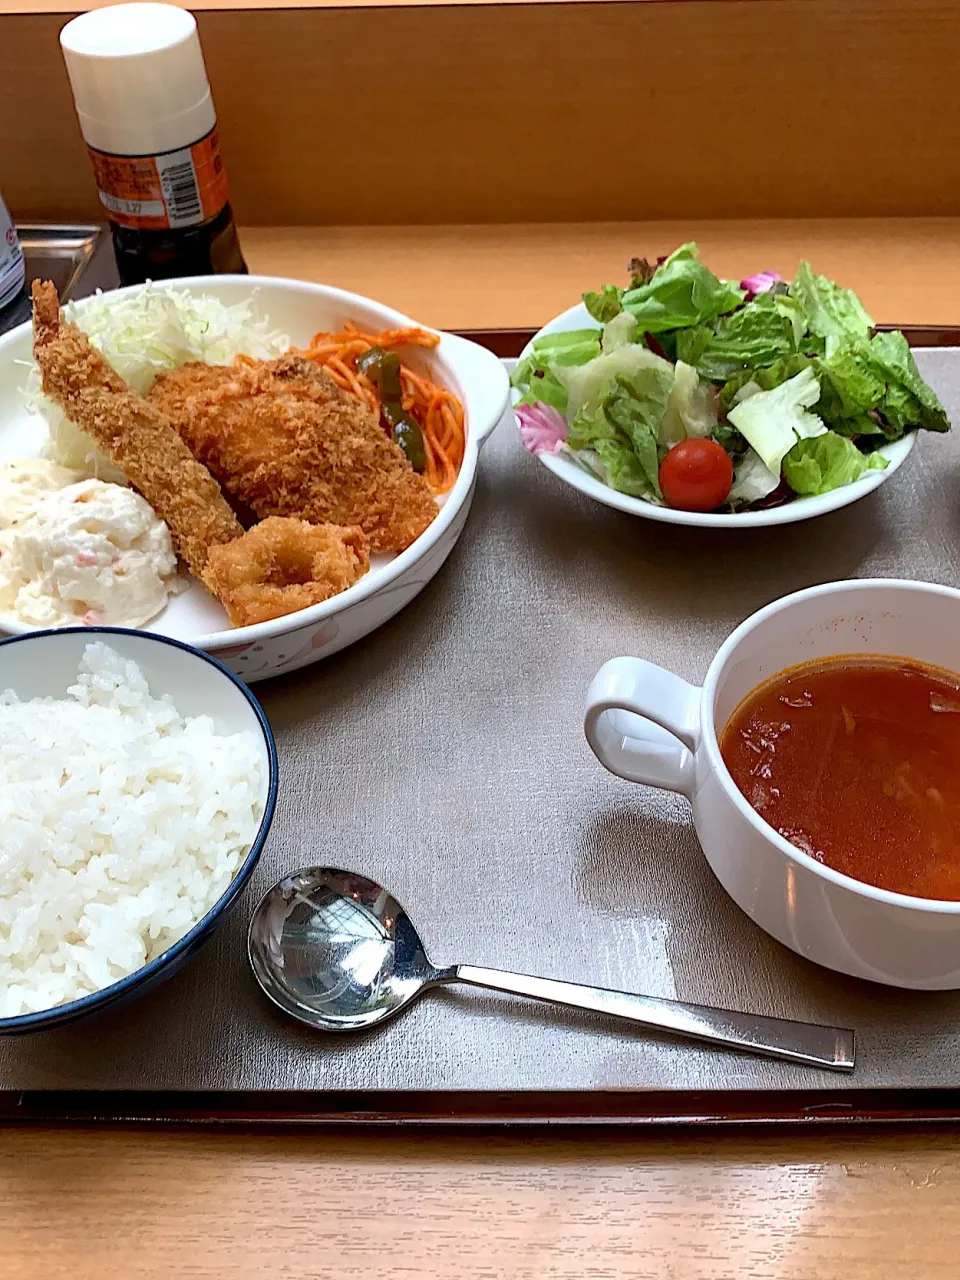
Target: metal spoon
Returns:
[338, 952]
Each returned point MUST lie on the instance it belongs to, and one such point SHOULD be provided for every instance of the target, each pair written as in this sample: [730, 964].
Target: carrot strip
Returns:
[438, 412]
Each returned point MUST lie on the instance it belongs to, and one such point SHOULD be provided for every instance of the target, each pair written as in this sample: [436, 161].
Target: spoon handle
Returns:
[817, 1046]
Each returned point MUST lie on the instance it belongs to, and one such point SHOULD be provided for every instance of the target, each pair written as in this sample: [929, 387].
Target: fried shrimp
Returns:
[137, 435]
[286, 440]
[282, 565]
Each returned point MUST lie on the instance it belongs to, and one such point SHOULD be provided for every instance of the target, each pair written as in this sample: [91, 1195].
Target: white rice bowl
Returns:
[123, 823]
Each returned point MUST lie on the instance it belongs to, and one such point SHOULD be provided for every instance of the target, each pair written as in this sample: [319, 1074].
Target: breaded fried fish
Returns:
[287, 441]
[136, 435]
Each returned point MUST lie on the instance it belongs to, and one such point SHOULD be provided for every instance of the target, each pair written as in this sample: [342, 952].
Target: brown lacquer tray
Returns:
[444, 756]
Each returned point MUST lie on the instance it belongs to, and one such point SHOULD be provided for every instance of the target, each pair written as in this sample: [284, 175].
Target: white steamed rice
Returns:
[121, 824]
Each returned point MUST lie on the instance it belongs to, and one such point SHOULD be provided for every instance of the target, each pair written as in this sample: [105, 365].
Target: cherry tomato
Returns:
[696, 475]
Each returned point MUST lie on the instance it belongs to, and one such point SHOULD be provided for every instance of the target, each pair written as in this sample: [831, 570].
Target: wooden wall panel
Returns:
[201, 6]
[710, 108]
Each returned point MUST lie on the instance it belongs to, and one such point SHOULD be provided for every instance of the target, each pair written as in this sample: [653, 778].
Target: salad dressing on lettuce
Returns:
[791, 381]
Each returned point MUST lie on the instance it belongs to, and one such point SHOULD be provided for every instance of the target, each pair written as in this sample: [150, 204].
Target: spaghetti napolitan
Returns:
[438, 412]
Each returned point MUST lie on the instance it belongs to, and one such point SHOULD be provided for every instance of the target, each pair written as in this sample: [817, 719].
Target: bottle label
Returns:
[155, 193]
[11, 259]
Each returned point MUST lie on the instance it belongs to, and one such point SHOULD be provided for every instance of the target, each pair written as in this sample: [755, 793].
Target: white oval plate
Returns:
[578, 477]
[299, 310]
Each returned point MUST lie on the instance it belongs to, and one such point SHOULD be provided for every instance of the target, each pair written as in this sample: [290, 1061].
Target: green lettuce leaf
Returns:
[833, 313]
[869, 388]
[773, 421]
[861, 424]
[575, 346]
[621, 331]
[688, 251]
[848, 387]
[909, 401]
[752, 480]
[588, 384]
[691, 409]
[766, 379]
[827, 462]
[622, 468]
[542, 387]
[769, 328]
[535, 375]
[681, 292]
[691, 343]
[589, 428]
[603, 304]
[629, 416]
[637, 406]
[901, 411]
[875, 387]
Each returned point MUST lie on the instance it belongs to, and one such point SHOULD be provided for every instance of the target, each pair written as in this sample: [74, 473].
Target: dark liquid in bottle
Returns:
[212, 248]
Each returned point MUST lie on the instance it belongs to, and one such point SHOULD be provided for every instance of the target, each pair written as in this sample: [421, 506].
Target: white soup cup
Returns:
[648, 725]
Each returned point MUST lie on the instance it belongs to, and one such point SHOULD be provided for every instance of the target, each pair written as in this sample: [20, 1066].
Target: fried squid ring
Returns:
[282, 565]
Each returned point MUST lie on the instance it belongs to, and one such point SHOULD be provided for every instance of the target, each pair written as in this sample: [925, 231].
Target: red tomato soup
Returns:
[856, 761]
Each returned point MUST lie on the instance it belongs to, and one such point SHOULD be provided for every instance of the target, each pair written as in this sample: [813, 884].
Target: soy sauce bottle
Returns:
[143, 100]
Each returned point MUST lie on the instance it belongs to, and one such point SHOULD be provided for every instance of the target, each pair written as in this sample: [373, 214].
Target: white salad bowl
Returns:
[299, 310]
[573, 473]
[648, 725]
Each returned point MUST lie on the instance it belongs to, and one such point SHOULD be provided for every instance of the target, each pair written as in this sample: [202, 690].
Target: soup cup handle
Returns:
[656, 750]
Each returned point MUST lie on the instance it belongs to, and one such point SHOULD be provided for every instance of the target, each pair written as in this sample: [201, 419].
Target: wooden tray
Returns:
[444, 756]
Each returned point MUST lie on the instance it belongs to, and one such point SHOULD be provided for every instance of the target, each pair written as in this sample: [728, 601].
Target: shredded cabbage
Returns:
[141, 334]
[154, 329]
[73, 448]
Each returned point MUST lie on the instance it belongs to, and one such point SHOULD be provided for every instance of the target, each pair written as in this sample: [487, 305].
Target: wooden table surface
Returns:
[84, 1205]
[670, 1205]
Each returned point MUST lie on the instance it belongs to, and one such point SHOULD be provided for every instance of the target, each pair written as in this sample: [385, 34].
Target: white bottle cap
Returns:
[138, 78]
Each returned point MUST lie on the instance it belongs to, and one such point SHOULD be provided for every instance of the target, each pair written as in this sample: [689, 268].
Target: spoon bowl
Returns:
[336, 951]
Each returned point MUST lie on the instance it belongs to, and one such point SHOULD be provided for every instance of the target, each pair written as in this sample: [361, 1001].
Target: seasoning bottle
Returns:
[142, 96]
[11, 259]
